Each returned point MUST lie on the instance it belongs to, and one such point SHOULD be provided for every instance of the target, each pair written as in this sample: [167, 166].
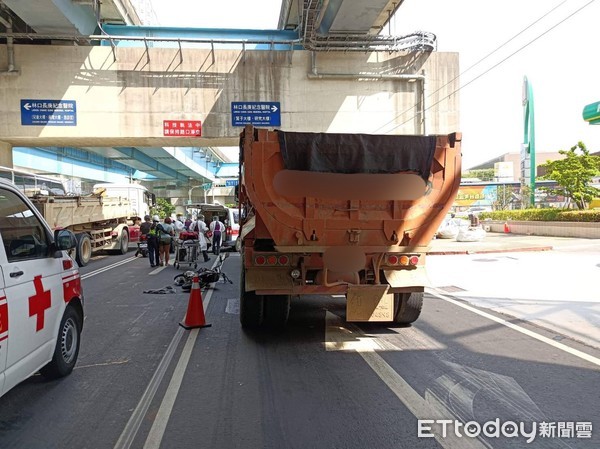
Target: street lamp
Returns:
[190, 193]
[195, 187]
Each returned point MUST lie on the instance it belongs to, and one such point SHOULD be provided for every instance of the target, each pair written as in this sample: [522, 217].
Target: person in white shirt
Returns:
[200, 227]
[217, 228]
[178, 225]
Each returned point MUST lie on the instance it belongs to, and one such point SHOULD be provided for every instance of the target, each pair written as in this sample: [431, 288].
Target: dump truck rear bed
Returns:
[338, 213]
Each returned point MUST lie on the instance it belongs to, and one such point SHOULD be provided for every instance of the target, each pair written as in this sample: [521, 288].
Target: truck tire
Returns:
[251, 306]
[67, 346]
[124, 242]
[407, 307]
[276, 310]
[83, 252]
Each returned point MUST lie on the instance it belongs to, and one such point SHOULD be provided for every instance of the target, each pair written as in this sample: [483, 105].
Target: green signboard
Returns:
[591, 113]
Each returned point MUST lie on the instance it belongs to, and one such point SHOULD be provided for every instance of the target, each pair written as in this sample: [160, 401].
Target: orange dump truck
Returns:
[349, 214]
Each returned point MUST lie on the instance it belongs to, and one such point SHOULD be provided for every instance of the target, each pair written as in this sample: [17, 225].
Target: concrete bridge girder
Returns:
[123, 102]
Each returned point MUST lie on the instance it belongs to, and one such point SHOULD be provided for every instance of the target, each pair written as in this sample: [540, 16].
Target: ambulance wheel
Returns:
[407, 307]
[83, 249]
[124, 245]
[277, 310]
[67, 346]
[251, 306]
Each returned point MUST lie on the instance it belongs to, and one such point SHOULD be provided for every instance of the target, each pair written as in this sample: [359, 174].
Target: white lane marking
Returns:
[107, 268]
[555, 344]
[157, 270]
[135, 421]
[166, 407]
[159, 425]
[337, 336]
[233, 306]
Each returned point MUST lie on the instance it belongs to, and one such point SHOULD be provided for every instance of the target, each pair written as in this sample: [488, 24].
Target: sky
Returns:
[499, 43]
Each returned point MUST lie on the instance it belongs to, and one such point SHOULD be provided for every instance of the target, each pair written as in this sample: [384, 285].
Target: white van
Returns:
[41, 300]
[227, 215]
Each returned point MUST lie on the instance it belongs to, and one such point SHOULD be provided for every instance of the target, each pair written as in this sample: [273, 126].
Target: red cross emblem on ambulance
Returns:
[3, 318]
[39, 302]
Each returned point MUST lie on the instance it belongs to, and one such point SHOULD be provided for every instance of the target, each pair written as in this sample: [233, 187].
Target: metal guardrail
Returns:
[422, 41]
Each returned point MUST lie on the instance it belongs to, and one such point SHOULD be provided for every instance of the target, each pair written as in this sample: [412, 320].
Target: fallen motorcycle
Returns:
[206, 276]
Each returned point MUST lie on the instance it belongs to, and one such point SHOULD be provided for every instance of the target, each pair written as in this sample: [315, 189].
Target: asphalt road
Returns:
[143, 381]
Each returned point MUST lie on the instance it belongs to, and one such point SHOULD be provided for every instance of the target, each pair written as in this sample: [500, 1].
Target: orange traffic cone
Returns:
[506, 228]
[195, 312]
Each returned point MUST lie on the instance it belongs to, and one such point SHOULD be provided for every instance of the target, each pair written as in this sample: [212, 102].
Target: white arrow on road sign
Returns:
[274, 108]
[27, 106]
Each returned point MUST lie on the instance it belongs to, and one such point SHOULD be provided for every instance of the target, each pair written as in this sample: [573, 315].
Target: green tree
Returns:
[163, 208]
[504, 197]
[484, 174]
[574, 174]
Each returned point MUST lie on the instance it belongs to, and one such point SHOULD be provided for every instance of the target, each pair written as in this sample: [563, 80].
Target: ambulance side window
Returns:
[23, 235]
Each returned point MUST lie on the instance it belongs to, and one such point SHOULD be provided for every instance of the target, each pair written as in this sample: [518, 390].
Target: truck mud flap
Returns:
[407, 278]
[369, 303]
[268, 279]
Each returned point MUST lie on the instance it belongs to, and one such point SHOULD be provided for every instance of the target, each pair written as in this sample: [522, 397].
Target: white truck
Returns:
[105, 220]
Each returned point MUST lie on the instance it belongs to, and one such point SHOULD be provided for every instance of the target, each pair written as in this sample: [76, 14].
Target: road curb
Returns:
[484, 251]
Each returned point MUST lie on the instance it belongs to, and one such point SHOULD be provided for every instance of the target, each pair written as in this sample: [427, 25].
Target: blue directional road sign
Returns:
[231, 182]
[48, 112]
[260, 113]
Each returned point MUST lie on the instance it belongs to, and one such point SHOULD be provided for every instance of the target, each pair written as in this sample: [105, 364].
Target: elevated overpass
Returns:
[124, 95]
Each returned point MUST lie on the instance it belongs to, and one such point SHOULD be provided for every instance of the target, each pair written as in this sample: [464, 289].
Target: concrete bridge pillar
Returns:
[6, 158]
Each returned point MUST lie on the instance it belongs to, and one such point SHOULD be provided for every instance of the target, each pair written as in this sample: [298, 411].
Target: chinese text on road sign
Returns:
[261, 113]
[179, 128]
[48, 112]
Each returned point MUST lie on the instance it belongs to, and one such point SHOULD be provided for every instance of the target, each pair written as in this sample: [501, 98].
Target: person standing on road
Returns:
[217, 228]
[177, 227]
[144, 233]
[200, 227]
[166, 237]
[188, 222]
[153, 235]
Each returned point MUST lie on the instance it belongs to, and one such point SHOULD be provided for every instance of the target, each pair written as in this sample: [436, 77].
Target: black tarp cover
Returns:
[357, 153]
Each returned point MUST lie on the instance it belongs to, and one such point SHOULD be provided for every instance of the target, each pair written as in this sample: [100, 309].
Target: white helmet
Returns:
[155, 218]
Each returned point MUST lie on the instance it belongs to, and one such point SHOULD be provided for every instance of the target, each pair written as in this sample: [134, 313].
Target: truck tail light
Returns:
[392, 260]
[403, 260]
[272, 260]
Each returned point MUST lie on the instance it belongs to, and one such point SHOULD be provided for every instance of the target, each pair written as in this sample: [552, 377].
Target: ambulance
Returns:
[41, 299]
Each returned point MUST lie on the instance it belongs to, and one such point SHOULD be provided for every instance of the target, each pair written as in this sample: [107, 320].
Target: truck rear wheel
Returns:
[84, 249]
[407, 307]
[277, 310]
[251, 306]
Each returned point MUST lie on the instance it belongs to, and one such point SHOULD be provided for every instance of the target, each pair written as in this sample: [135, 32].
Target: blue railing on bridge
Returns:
[202, 38]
